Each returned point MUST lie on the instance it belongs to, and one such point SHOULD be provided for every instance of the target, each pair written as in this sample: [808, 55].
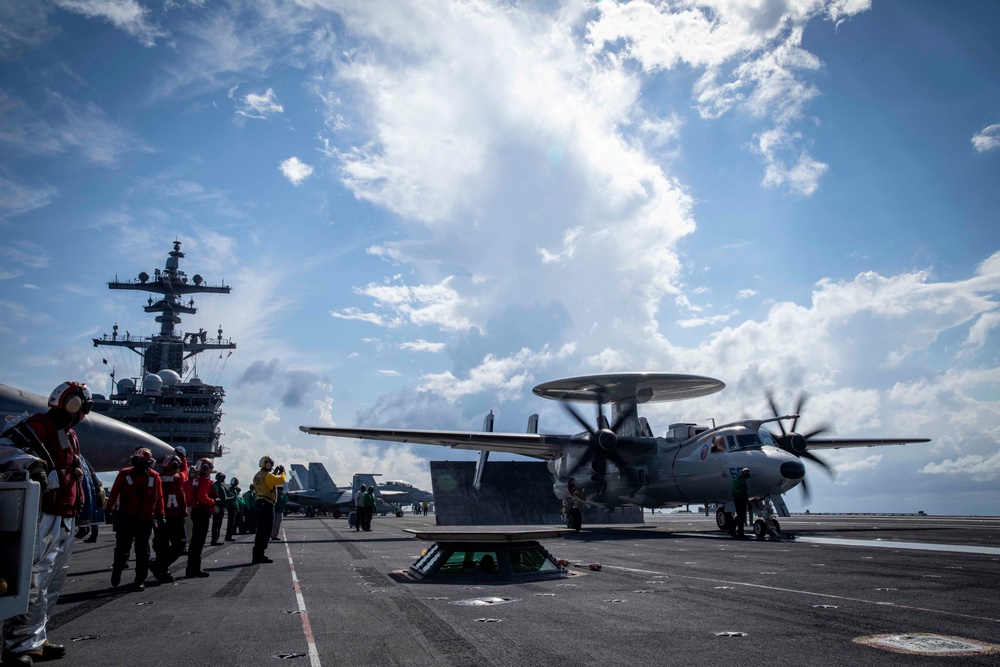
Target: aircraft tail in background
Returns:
[366, 478]
[319, 478]
[298, 477]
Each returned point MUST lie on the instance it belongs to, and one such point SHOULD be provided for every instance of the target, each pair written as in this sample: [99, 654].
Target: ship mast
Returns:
[168, 350]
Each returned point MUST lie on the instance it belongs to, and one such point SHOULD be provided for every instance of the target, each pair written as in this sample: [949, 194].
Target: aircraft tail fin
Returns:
[366, 478]
[298, 477]
[319, 478]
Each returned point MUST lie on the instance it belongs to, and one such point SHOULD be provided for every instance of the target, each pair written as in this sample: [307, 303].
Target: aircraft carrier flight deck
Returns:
[848, 589]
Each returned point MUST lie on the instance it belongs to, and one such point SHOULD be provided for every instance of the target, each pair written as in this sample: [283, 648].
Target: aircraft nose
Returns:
[793, 470]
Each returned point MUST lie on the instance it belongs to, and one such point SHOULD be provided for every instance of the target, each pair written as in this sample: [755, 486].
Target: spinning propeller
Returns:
[796, 443]
[602, 441]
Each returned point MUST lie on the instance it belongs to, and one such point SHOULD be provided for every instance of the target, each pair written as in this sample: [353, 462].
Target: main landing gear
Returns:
[766, 524]
[574, 519]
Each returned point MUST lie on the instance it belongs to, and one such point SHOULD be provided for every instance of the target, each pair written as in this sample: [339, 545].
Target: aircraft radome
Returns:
[106, 443]
[621, 463]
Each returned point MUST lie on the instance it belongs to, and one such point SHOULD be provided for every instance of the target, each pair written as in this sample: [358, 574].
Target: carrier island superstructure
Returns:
[163, 401]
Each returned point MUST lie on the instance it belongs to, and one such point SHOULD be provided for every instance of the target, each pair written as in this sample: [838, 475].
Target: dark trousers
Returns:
[367, 514]
[741, 515]
[133, 531]
[265, 522]
[217, 524]
[199, 531]
[231, 514]
[169, 542]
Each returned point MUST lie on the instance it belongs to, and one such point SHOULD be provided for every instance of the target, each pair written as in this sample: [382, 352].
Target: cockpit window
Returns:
[766, 438]
[745, 440]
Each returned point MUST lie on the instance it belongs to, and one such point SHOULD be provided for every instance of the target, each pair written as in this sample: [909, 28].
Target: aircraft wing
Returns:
[837, 443]
[534, 445]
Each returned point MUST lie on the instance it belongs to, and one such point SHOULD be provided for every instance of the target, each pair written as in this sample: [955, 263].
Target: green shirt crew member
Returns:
[741, 498]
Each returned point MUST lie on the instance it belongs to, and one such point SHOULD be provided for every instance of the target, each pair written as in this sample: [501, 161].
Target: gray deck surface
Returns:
[664, 592]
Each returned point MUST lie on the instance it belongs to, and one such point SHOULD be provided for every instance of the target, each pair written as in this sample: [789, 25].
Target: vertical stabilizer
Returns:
[366, 478]
[319, 478]
[298, 477]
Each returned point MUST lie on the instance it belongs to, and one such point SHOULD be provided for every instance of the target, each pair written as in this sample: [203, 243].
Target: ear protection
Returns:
[71, 397]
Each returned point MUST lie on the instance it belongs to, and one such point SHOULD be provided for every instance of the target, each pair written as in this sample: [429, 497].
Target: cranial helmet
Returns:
[234, 481]
[143, 458]
[745, 472]
[204, 466]
[220, 477]
[72, 398]
[180, 451]
[172, 462]
[266, 462]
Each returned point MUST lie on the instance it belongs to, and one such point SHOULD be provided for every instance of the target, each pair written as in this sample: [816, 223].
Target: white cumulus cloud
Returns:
[295, 170]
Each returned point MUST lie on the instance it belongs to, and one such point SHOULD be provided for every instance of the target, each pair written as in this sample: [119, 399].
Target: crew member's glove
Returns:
[279, 470]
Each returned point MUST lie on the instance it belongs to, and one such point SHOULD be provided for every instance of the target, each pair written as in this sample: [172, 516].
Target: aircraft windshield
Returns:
[765, 436]
[744, 441]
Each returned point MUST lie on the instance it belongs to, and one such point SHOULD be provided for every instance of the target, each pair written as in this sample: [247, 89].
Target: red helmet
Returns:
[71, 397]
[204, 466]
[172, 462]
[143, 458]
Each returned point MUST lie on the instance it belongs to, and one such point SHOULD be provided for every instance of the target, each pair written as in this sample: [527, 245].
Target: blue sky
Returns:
[425, 209]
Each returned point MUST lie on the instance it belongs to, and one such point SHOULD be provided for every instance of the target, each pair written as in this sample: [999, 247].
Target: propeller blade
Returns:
[823, 464]
[798, 409]
[806, 498]
[822, 429]
[581, 420]
[579, 464]
[774, 411]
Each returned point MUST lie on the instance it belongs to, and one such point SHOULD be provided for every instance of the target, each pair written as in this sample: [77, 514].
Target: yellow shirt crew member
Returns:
[266, 483]
[265, 486]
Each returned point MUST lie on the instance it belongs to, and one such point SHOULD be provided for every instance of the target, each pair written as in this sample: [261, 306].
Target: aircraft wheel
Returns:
[775, 526]
[352, 519]
[574, 519]
[399, 514]
[759, 529]
[723, 519]
[337, 514]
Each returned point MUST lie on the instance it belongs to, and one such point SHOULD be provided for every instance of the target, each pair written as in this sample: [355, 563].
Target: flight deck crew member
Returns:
[368, 500]
[233, 512]
[139, 493]
[741, 499]
[170, 540]
[46, 447]
[202, 505]
[359, 508]
[222, 495]
[265, 485]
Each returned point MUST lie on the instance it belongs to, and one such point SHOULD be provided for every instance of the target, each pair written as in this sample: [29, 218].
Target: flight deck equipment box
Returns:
[18, 527]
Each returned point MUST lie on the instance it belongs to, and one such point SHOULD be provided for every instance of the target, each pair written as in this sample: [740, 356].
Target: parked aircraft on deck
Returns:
[404, 493]
[619, 462]
[322, 495]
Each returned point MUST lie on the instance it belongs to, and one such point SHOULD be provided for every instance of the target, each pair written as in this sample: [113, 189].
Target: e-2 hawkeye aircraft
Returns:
[621, 463]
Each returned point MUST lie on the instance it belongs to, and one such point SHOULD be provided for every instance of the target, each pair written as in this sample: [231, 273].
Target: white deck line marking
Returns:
[303, 614]
[798, 592]
[878, 544]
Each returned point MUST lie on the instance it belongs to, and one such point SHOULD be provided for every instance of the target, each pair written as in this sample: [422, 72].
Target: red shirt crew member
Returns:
[139, 493]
